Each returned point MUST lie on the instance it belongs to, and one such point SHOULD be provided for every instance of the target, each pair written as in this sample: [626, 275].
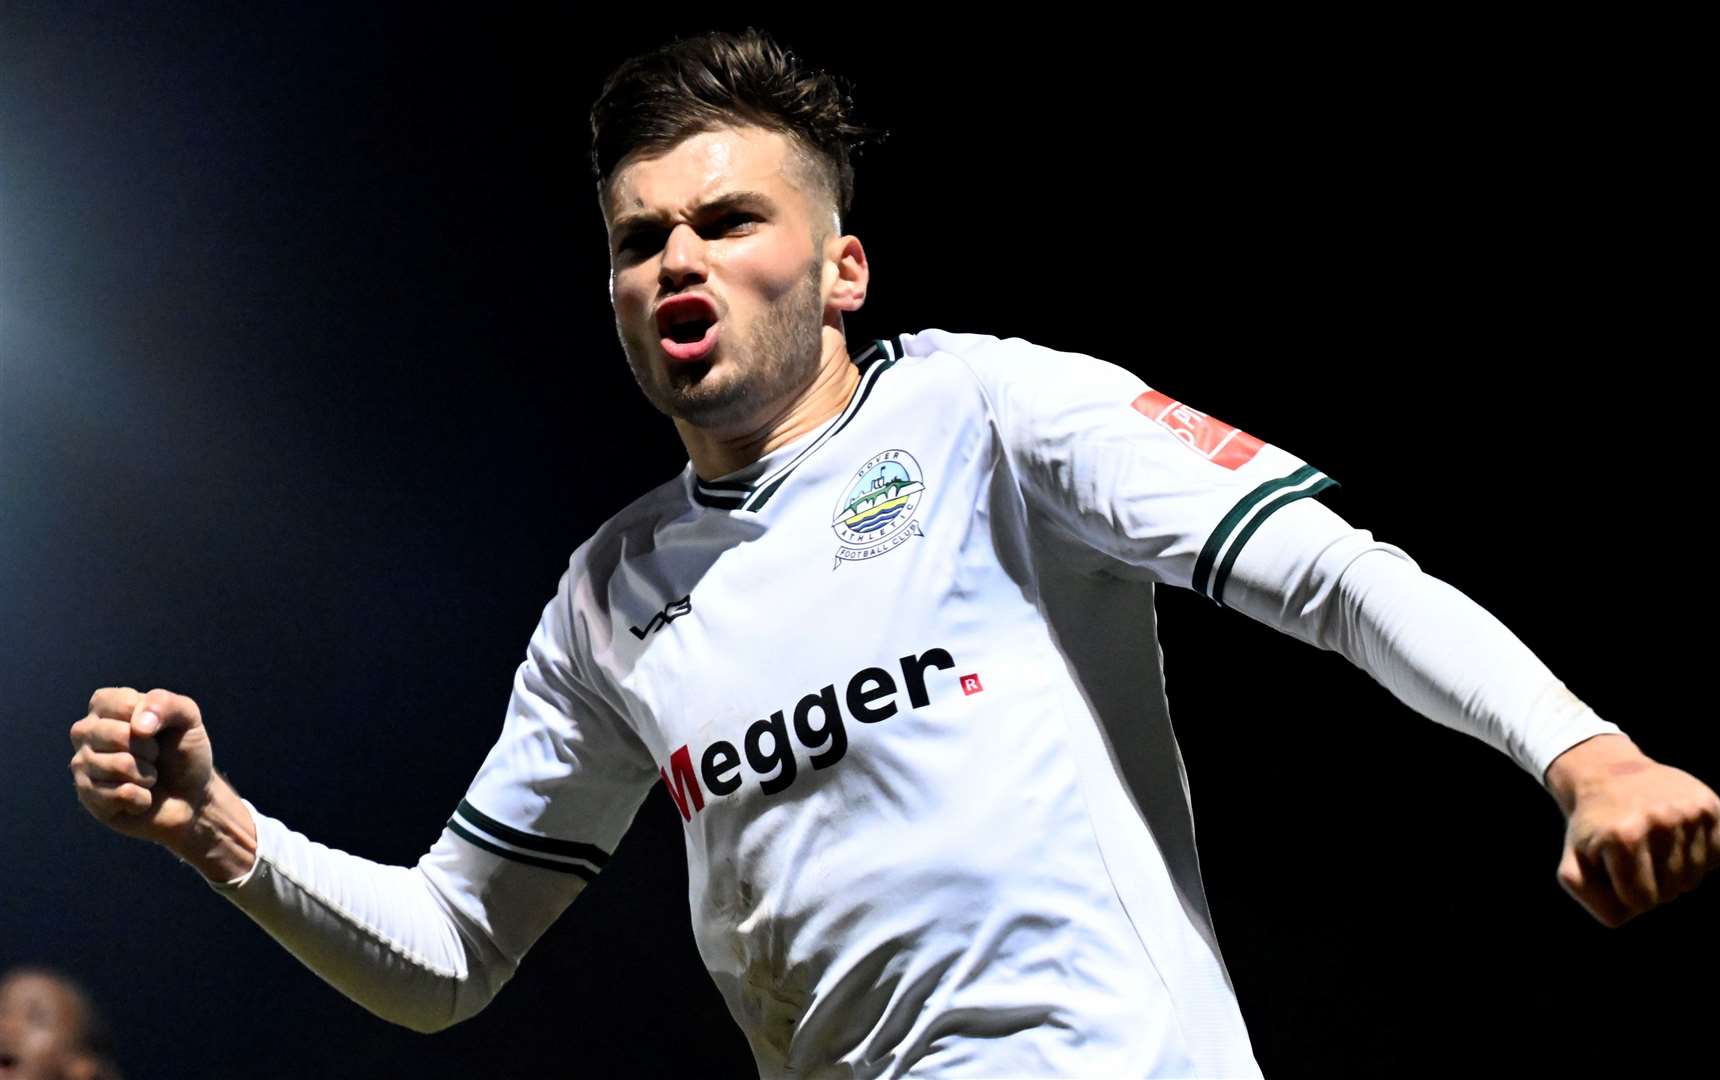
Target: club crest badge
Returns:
[876, 512]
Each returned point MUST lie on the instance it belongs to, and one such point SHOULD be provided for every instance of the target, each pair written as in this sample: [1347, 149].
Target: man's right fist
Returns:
[142, 764]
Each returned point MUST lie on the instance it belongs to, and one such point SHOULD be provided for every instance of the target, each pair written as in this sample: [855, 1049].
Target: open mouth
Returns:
[688, 331]
[688, 327]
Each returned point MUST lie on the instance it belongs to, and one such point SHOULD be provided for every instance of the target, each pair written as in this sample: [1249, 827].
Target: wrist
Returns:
[221, 841]
[1592, 761]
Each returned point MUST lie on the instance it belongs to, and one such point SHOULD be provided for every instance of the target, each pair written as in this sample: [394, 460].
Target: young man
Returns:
[889, 642]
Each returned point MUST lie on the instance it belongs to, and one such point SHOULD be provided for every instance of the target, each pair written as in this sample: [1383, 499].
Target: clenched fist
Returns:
[1638, 833]
[142, 766]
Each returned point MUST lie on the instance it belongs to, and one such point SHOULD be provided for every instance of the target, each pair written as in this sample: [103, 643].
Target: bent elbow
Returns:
[424, 1024]
[452, 1001]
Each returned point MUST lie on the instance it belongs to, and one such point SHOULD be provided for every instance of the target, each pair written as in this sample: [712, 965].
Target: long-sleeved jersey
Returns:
[902, 681]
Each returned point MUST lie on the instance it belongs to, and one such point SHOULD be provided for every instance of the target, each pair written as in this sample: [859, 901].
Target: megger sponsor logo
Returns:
[870, 697]
[1207, 436]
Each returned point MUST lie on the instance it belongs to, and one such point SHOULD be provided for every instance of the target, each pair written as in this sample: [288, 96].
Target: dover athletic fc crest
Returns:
[876, 514]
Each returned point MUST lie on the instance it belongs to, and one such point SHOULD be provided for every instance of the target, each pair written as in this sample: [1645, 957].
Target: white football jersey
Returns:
[902, 681]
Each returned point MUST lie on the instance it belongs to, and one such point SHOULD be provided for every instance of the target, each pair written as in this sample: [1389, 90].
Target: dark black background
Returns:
[308, 387]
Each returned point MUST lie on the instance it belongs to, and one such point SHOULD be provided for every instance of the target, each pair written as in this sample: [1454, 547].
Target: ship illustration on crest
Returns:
[873, 505]
[877, 513]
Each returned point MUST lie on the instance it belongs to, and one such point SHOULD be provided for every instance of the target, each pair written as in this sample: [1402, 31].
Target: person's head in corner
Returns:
[51, 1030]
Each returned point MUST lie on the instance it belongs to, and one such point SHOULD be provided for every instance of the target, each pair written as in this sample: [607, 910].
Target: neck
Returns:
[717, 453]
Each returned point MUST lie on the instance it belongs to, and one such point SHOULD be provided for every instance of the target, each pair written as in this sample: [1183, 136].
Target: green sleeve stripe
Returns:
[546, 845]
[496, 849]
[1203, 566]
[1248, 530]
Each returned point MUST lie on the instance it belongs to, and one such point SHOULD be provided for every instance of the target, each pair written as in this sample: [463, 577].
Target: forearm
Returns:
[1451, 660]
[1433, 647]
[378, 934]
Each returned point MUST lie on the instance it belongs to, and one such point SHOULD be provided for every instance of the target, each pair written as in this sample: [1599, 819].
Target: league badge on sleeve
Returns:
[876, 513]
[1208, 436]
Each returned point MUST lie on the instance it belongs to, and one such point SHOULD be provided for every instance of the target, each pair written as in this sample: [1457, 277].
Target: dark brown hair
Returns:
[656, 99]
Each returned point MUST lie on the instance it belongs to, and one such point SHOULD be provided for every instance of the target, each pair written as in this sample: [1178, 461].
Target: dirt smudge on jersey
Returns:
[775, 997]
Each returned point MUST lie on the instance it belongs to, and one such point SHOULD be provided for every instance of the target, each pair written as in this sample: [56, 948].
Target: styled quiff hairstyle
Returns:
[693, 85]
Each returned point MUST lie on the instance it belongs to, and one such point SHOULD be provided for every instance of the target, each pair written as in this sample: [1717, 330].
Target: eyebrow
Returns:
[732, 200]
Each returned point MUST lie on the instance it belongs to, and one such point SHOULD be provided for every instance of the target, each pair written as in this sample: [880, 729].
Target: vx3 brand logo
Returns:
[675, 610]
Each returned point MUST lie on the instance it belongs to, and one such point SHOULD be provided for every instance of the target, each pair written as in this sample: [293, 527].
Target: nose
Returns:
[683, 258]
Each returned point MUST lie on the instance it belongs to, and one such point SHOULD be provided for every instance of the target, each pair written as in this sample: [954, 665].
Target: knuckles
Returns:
[1619, 838]
[164, 701]
[107, 695]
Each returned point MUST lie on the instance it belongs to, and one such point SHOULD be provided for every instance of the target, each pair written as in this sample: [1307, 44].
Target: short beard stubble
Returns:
[778, 357]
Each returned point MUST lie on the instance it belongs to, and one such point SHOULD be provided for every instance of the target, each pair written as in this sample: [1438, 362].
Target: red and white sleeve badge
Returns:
[1207, 436]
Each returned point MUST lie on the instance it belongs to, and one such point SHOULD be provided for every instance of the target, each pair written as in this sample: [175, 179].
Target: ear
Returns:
[846, 274]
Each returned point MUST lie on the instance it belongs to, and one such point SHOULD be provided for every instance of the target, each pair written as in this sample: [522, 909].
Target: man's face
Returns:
[40, 1023]
[721, 227]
